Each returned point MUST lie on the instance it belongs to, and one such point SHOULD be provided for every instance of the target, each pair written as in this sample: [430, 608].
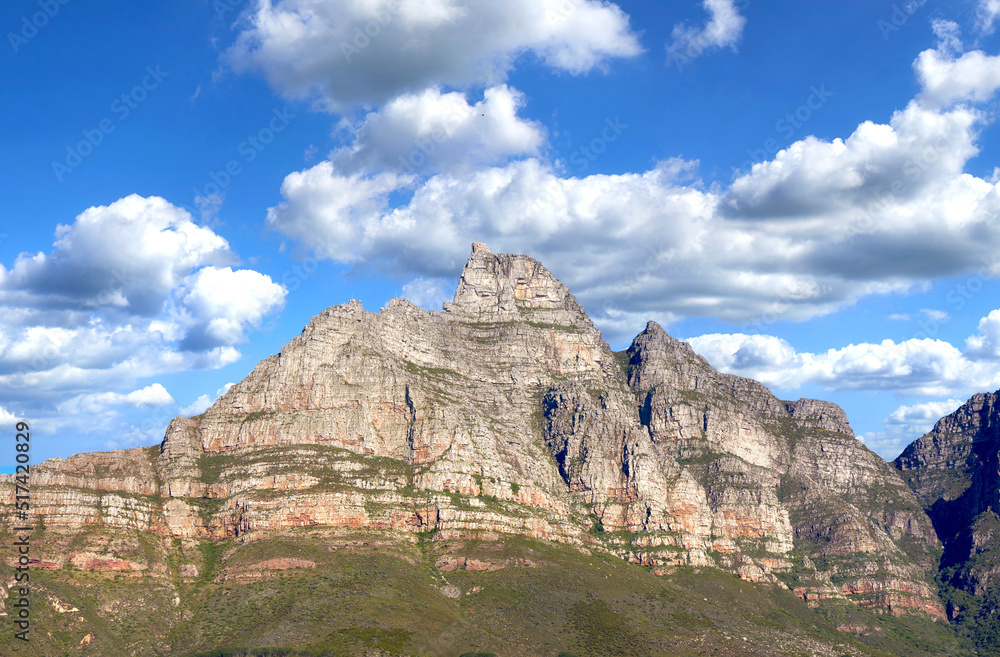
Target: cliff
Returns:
[955, 472]
[505, 415]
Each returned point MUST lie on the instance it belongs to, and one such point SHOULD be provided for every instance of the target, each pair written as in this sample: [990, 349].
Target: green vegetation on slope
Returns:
[372, 594]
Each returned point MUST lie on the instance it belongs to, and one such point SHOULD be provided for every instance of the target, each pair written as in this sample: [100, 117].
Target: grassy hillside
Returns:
[386, 595]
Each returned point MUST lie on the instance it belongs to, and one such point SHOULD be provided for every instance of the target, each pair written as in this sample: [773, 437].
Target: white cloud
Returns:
[880, 170]
[7, 420]
[906, 424]
[152, 396]
[987, 15]
[204, 402]
[918, 419]
[818, 227]
[986, 343]
[345, 52]
[220, 305]
[210, 205]
[434, 131]
[783, 241]
[606, 236]
[429, 293]
[129, 291]
[946, 76]
[723, 30]
[913, 367]
[935, 315]
[124, 257]
[197, 407]
[929, 319]
[328, 211]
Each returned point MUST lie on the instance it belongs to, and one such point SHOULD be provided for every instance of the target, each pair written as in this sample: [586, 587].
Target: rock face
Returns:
[955, 472]
[507, 413]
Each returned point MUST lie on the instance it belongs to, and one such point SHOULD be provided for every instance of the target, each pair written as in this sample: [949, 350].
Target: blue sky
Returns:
[805, 191]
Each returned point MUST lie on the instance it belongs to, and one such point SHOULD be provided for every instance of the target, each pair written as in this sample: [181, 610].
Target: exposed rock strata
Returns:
[507, 413]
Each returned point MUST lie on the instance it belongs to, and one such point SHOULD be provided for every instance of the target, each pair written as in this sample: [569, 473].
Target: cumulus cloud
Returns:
[906, 424]
[640, 242]
[220, 304]
[346, 53]
[986, 343]
[918, 367]
[879, 170]
[126, 256]
[821, 225]
[975, 76]
[8, 419]
[327, 211]
[197, 407]
[129, 291]
[918, 419]
[434, 131]
[948, 76]
[723, 30]
[151, 396]
[606, 236]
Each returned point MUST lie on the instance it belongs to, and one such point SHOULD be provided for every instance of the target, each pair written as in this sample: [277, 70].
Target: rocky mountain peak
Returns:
[942, 463]
[657, 356]
[506, 286]
[505, 415]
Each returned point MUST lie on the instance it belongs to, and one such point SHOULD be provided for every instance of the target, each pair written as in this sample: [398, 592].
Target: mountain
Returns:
[492, 478]
[955, 472]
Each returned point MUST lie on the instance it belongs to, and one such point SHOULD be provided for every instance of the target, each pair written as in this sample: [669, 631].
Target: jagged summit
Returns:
[658, 358]
[510, 287]
[955, 469]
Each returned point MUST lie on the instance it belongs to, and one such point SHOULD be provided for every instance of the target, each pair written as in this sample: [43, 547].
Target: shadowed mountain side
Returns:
[955, 472]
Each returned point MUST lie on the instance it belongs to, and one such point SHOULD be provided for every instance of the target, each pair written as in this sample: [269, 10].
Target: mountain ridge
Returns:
[506, 415]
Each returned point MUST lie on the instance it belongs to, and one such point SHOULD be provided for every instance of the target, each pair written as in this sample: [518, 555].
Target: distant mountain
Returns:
[955, 472]
[490, 478]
